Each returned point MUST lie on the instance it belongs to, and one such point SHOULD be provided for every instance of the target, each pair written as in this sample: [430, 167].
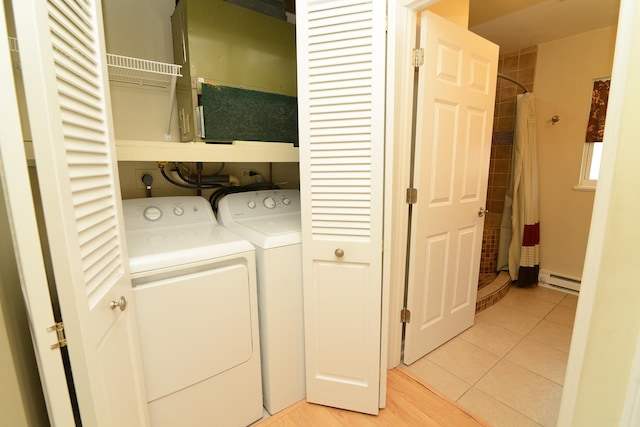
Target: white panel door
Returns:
[341, 63]
[456, 92]
[62, 56]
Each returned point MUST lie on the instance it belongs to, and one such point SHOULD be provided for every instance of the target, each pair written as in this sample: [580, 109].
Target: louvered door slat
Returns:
[71, 92]
[68, 18]
[68, 73]
[70, 69]
[346, 159]
[78, 115]
[97, 241]
[77, 131]
[105, 228]
[92, 206]
[98, 270]
[91, 184]
[80, 171]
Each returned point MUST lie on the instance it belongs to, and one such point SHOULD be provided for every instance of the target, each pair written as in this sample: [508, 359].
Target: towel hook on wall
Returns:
[555, 119]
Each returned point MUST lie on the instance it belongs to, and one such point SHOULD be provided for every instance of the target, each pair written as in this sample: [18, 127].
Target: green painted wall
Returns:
[228, 45]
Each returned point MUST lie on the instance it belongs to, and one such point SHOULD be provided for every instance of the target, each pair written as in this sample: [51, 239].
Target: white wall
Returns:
[140, 29]
[564, 78]
[456, 11]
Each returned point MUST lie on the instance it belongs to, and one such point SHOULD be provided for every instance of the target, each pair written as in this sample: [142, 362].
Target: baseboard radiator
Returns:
[554, 280]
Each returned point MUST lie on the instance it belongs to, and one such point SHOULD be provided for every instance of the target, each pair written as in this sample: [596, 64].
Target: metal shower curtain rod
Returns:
[502, 76]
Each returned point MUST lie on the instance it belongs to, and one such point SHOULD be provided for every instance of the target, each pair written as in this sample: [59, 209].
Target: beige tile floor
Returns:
[509, 367]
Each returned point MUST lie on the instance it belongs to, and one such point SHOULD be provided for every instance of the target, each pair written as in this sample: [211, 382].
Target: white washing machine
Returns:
[270, 219]
[196, 298]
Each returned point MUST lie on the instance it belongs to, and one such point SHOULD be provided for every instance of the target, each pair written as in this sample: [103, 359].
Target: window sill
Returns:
[586, 188]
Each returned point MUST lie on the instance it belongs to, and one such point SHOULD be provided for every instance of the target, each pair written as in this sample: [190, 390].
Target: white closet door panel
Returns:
[62, 54]
[341, 62]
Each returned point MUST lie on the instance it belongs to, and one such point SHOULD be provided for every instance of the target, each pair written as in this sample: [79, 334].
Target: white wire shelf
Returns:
[137, 71]
[142, 72]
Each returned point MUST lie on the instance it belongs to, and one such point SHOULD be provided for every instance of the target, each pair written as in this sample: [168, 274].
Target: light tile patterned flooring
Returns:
[509, 367]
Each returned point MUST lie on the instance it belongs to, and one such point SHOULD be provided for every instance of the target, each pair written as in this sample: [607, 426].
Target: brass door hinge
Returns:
[405, 315]
[417, 57]
[59, 329]
[412, 196]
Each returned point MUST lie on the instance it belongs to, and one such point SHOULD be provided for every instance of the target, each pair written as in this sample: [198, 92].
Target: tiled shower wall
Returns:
[520, 66]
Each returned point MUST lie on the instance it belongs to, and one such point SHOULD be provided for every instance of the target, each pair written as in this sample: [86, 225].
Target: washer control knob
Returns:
[286, 201]
[251, 204]
[152, 213]
[269, 203]
[178, 210]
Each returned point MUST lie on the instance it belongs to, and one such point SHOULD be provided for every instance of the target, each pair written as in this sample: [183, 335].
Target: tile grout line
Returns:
[500, 401]
[527, 335]
[502, 358]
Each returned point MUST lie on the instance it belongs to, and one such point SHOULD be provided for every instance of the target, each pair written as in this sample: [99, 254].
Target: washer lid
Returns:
[269, 231]
[267, 218]
[152, 249]
[274, 225]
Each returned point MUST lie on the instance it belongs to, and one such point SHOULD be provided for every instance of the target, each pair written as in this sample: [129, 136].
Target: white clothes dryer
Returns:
[194, 284]
[270, 219]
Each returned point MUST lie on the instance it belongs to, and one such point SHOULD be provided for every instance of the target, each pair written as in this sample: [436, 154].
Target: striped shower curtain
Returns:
[521, 219]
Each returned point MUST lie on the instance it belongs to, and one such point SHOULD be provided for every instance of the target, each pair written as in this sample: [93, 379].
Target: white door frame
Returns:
[401, 39]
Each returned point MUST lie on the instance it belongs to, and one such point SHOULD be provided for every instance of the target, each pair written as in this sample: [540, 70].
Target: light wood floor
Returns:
[409, 403]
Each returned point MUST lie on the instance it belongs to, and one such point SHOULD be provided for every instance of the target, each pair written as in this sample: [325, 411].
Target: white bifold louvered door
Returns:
[341, 70]
[62, 57]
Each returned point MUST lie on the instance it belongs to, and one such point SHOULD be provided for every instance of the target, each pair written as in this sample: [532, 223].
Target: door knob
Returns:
[339, 253]
[482, 211]
[121, 303]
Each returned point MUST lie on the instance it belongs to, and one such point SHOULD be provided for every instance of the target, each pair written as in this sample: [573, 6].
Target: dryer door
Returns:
[194, 326]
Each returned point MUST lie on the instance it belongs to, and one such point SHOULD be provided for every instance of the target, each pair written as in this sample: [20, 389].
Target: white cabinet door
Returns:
[62, 57]
[456, 92]
[341, 65]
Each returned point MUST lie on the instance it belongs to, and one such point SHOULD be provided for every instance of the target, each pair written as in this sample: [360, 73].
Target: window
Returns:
[590, 169]
[592, 152]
